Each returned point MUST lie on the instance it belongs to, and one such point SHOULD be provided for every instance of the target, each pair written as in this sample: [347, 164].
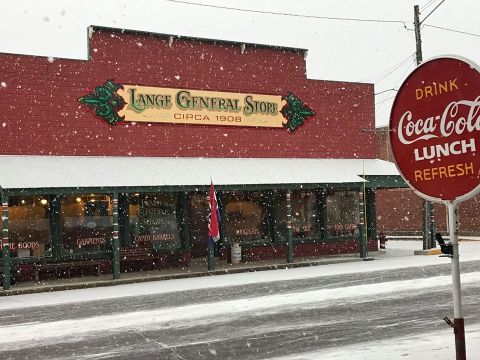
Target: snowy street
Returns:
[388, 308]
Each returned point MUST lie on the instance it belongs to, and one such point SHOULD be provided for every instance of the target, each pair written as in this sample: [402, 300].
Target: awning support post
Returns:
[432, 227]
[115, 239]
[289, 226]
[371, 214]
[361, 226]
[5, 247]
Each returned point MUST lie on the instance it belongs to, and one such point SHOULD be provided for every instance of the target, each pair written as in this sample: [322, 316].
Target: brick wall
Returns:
[41, 115]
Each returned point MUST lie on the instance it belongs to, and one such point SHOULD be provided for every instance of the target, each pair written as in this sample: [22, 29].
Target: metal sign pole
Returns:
[459, 325]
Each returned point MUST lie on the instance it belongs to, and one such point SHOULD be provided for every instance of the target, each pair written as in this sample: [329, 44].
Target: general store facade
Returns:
[111, 156]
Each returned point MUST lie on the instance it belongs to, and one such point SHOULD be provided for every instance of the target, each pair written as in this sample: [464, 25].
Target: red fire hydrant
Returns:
[383, 239]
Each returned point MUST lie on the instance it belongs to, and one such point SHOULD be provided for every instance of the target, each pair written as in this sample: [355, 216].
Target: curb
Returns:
[427, 252]
[45, 287]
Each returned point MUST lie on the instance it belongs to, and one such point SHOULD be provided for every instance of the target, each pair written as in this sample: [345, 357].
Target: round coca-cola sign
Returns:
[435, 129]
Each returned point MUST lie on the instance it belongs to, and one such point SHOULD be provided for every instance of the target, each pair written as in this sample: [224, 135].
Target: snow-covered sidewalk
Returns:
[399, 254]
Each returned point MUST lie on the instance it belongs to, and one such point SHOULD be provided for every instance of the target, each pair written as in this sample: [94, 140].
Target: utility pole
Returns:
[418, 36]
[427, 205]
[458, 324]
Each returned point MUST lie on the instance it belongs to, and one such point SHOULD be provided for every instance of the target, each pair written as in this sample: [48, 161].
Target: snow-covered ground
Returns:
[438, 345]
[427, 346]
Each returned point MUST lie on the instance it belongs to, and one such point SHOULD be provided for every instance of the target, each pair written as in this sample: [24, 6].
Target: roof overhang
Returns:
[54, 172]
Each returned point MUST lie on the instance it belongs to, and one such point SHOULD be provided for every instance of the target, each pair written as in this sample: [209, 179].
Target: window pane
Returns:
[246, 216]
[199, 224]
[304, 214]
[28, 229]
[153, 219]
[342, 213]
[87, 223]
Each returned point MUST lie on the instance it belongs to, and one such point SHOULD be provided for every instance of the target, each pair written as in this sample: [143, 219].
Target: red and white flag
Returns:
[214, 218]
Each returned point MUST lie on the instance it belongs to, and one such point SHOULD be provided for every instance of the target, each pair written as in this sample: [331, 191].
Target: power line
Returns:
[431, 12]
[405, 72]
[286, 14]
[388, 71]
[327, 17]
[384, 91]
[452, 30]
[427, 5]
[382, 101]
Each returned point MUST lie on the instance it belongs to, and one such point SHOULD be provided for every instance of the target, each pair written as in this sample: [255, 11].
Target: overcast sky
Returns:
[367, 51]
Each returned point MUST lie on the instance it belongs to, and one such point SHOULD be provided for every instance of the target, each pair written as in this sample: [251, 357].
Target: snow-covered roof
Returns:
[32, 171]
[92, 28]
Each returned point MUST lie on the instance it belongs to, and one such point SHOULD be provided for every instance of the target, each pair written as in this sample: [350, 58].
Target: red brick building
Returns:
[122, 148]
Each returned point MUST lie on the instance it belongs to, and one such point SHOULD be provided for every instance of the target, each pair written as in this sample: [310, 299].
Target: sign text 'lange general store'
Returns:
[116, 102]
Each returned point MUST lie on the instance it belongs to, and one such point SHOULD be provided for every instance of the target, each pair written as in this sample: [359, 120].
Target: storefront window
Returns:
[153, 219]
[87, 223]
[28, 229]
[342, 213]
[304, 214]
[199, 211]
[246, 216]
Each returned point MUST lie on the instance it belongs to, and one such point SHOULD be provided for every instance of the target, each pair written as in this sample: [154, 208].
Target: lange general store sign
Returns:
[117, 102]
[435, 129]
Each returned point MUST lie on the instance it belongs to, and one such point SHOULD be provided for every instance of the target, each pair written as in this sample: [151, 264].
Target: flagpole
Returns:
[210, 243]
[210, 254]
[213, 227]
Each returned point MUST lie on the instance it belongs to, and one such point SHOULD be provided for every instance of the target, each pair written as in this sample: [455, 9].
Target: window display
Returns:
[304, 214]
[342, 213]
[87, 223]
[153, 219]
[246, 216]
[199, 211]
[29, 231]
